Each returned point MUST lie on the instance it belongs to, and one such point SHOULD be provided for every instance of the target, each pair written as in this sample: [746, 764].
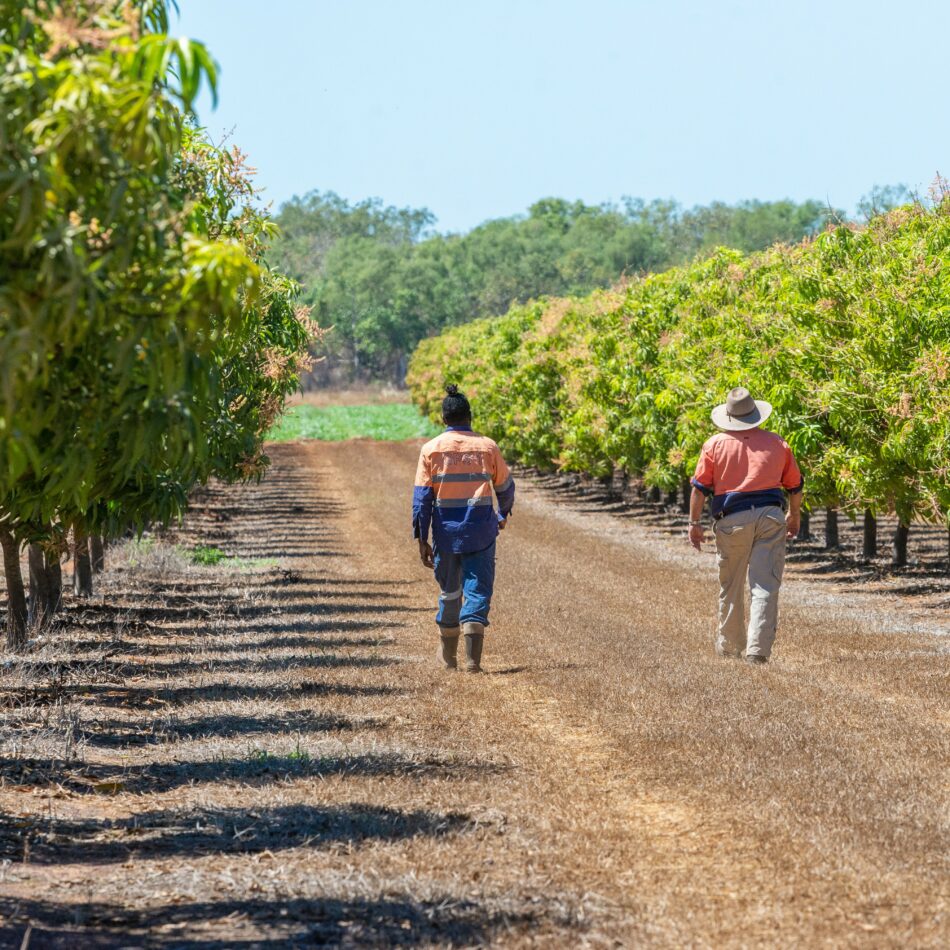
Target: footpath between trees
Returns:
[264, 754]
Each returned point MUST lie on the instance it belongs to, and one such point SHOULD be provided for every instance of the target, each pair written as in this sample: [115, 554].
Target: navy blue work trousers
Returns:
[466, 581]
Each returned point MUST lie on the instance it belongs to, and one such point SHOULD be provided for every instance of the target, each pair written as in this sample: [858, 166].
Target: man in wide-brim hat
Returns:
[747, 471]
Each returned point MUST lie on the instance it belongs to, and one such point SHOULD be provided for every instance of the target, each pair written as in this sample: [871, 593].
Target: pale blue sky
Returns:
[476, 109]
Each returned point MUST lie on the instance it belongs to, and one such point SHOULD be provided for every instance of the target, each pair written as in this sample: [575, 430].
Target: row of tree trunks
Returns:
[831, 528]
[97, 553]
[869, 545]
[804, 531]
[17, 616]
[869, 548]
[82, 565]
[832, 532]
[676, 497]
[900, 545]
[46, 582]
[869, 538]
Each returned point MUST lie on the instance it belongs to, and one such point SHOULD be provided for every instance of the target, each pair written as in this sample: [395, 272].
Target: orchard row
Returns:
[145, 344]
[847, 335]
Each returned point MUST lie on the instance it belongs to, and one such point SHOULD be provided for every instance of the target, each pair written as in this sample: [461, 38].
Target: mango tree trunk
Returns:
[82, 566]
[607, 482]
[16, 595]
[40, 595]
[46, 584]
[672, 498]
[54, 573]
[804, 531]
[869, 548]
[686, 490]
[831, 527]
[655, 495]
[97, 553]
[900, 544]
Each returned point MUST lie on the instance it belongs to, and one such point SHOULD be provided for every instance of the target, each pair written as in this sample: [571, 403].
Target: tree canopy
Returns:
[384, 279]
[145, 345]
[847, 335]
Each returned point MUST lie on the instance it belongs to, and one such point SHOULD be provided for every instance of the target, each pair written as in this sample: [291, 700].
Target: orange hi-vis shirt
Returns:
[746, 469]
[456, 474]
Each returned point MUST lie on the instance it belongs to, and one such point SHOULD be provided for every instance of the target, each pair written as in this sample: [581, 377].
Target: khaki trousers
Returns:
[752, 543]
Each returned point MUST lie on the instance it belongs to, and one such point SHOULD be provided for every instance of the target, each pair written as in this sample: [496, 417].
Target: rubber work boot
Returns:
[474, 637]
[755, 660]
[448, 647]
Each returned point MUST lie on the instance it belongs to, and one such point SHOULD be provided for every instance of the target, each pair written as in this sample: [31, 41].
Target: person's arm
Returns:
[504, 485]
[793, 520]
[702, 482]
[793, 482]
[697, 501]
[423, 499]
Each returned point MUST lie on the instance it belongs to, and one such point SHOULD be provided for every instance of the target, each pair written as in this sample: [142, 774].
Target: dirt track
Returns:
[278, 760]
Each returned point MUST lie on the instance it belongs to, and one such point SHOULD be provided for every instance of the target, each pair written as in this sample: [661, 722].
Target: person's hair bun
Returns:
[452, 389]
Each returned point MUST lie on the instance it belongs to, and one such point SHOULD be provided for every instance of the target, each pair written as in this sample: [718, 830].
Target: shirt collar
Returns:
[458, 429]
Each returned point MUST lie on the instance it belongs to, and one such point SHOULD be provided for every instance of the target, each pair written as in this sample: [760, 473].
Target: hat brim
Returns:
[723, 420]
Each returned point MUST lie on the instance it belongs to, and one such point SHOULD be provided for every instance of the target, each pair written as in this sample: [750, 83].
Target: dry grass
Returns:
[268, 756]
[378, 394]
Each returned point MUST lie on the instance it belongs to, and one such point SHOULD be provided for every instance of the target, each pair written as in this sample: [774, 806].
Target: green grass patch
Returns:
[390, 422]
[206, 555]
[210, 557]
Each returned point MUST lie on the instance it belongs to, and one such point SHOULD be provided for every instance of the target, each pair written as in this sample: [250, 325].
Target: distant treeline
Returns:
[384, 279]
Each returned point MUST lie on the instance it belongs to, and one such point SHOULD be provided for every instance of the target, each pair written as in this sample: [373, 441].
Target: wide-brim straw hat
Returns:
[740, 411]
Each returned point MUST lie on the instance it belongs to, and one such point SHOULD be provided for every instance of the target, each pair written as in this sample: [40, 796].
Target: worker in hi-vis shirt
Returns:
[747, 472]
[457, 474]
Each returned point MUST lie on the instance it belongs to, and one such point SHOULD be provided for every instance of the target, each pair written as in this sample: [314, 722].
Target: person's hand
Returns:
[502, 522]
[696, 536]
[425, 553]
[793, 524]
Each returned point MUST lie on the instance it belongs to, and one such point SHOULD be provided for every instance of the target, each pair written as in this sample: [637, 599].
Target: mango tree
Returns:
[132, 286]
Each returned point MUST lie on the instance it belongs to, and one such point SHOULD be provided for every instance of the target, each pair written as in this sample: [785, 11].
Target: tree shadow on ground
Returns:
[316, 608]
[398, 920]
[132, 634]
[221, 607]
[258, 768]
[185, 695]
[305, 639]
[263, 664]
[193, 832]
[299, 634]
[172, 599]
[118, 733]
[135, 697]
[843, 566]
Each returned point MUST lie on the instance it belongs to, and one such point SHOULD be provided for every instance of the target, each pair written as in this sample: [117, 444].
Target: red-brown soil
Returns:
[267, 755]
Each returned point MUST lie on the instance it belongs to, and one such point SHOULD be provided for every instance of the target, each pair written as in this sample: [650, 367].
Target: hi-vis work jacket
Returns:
[454, 480]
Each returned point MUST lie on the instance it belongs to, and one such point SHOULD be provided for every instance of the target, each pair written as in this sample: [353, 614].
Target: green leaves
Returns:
[847, 336]
[385, 282]
[144, 346]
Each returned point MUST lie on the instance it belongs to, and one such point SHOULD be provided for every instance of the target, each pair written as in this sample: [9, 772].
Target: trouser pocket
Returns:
[774, 538]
